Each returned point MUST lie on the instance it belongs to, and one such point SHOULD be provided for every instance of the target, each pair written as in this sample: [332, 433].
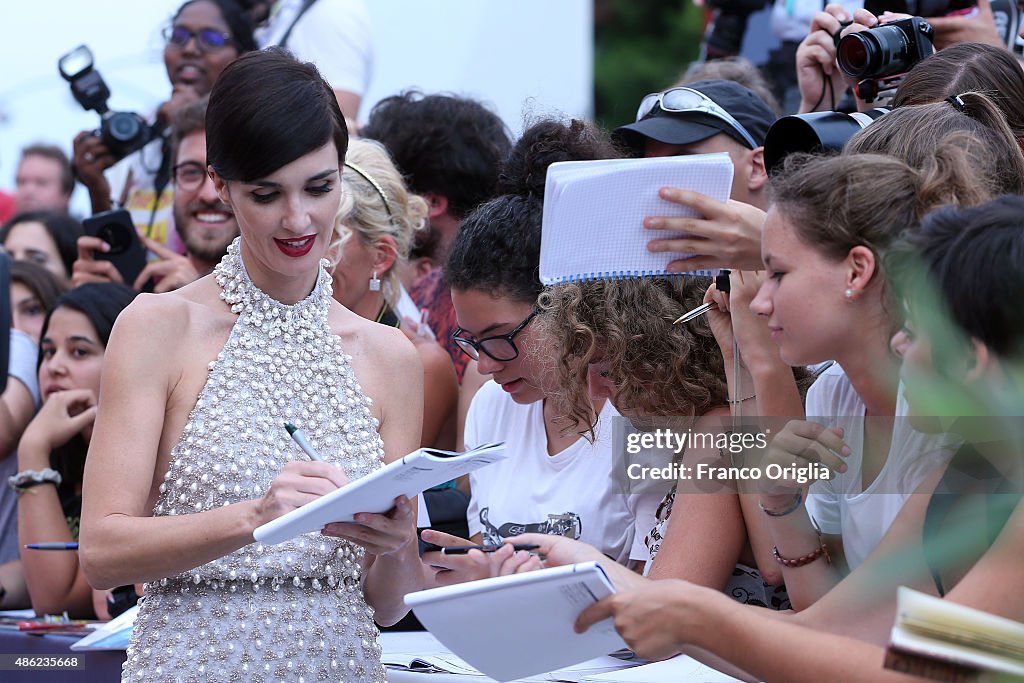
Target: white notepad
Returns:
[515, 626]
[594, 212]
[934, 628]
[376, 492]
[113, 635]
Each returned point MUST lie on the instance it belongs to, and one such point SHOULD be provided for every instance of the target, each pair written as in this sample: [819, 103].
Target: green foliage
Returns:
[640, 47]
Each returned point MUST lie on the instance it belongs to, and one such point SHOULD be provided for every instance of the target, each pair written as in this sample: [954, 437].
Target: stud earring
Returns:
[849, 294]
[374, 283]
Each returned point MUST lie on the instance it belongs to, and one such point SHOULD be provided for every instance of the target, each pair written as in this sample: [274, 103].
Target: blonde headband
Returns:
[368, 178]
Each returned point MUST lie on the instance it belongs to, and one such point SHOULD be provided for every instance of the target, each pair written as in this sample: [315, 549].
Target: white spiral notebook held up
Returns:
[594, 212]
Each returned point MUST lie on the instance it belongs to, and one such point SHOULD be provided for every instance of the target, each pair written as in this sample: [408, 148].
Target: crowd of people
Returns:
[379, 286]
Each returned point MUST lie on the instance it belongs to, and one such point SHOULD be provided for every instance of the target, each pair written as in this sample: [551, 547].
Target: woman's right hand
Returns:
[64, 414]
[475, 564]
[299, 482]
[800, 444]
[816, 66]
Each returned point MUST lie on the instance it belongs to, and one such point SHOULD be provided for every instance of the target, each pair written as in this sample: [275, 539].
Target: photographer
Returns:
[205, 223]
[204, 37]
[818, 73]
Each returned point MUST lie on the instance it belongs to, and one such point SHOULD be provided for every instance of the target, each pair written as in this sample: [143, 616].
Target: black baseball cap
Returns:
[687, 127]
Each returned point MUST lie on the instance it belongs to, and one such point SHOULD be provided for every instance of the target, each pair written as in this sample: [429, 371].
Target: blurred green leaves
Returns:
[640, 47]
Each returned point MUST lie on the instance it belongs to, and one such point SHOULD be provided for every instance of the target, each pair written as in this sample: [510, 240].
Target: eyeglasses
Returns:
[205, 37]
[189, 176]
[501, 348]
[682, 100]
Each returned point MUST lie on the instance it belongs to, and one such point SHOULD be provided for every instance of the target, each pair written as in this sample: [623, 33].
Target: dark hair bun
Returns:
[544, 143]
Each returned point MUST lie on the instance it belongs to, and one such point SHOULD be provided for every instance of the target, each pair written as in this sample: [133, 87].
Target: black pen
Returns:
[463, 549]
[300, 438]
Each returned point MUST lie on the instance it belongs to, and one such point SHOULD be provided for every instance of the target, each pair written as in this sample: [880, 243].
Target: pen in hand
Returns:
[303, 442]
[463, 549]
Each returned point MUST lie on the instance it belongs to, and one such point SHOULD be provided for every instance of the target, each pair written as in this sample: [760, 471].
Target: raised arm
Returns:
[55, 582]
[705, 534]
[121, 542]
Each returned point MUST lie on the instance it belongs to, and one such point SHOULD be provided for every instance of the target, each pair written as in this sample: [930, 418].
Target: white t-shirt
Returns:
[132, 181]
[336, 35]
[841, 505]
[572, 493]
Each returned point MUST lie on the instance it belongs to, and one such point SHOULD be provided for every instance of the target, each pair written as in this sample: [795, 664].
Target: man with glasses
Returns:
[703, 118]
[205, 223]
[202, 39]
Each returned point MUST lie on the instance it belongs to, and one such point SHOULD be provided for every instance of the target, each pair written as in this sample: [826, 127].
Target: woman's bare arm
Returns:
[121, 542]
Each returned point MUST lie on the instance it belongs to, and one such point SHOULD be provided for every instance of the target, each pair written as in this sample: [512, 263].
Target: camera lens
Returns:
[123, 127]
[854, 55]
[881, 51]
[116, 236]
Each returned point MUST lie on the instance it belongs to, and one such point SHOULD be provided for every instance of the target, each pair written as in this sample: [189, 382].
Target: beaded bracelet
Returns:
[821, 551]
[28, 478]
[798, 498]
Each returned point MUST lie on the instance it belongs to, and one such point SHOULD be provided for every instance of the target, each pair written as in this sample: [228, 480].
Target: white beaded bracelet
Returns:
[26, 479]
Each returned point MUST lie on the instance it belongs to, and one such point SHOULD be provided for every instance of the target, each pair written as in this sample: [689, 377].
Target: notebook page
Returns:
[594, 211]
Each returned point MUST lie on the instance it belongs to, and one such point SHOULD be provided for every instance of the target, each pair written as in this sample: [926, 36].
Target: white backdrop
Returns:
[525, 58]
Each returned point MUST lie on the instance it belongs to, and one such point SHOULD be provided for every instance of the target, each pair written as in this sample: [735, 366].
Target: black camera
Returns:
[886, 50]
[122, 132]
[814, 133]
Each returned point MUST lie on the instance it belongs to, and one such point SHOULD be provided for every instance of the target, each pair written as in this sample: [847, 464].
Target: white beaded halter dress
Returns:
[289, 612]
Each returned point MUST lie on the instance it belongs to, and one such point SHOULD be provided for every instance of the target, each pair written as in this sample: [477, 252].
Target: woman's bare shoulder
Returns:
[169, 319]
[365, 338]
[433, 356]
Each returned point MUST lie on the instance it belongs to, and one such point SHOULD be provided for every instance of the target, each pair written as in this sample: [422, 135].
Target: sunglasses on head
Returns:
[206, 37]
[682, 100]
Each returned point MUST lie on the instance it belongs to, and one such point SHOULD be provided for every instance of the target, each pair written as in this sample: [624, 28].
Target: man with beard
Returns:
[205, 223]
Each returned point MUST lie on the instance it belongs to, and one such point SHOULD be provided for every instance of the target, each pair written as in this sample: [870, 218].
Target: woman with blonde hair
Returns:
[377, 223]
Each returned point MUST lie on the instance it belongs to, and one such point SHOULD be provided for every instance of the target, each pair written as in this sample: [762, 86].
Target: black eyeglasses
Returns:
[501, 348]
[205, 37]
[189, 175]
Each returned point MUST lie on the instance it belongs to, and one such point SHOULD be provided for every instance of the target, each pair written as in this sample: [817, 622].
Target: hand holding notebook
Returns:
[520, 625]
[594, 213]
[376, 492]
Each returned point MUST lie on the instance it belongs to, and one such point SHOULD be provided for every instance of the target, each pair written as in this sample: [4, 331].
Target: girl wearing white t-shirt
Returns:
[825, 297]
[557, 481]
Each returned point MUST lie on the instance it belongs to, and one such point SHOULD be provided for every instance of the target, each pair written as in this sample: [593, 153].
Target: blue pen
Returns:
[52, 546]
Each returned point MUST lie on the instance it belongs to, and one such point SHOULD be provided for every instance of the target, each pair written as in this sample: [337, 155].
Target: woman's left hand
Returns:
[379, 534]
[64, 414]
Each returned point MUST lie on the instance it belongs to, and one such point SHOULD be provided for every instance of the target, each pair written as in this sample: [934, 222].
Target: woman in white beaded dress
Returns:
[189, 453]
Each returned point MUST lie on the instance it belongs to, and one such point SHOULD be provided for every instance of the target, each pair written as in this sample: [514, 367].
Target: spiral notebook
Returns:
[594, 212]
[511, 627]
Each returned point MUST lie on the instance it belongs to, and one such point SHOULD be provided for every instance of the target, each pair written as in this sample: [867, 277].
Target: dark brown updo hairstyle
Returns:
[266, 110]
